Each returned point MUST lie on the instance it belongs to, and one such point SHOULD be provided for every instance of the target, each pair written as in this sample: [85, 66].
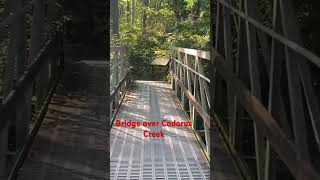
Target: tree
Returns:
[145, 16]
[158, 25]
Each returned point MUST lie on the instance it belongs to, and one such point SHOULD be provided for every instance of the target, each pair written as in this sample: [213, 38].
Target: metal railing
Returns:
[119, 79]
[24, 76]
[263, 89]
[192, 88]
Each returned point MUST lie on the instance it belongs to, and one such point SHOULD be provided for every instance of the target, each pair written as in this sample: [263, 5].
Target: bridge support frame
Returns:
[253, 85]
[191, 86]
[16, 111]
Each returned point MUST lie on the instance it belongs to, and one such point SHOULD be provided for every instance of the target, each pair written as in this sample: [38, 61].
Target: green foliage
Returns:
[191, 4]
[183, 23]
[141, 53]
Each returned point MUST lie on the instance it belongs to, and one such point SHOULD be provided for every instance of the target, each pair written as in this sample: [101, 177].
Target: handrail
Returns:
[118, 63]
[24, 81]
[119, 73]
[15, 95]
[205, 116]
[191, 86]
[23, 153]
[41, 69]
[197, 73]
[116, 89]
[194, 52]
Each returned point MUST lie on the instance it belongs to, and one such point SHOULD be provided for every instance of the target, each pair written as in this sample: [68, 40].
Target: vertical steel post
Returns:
[172, 72]
[116, 75]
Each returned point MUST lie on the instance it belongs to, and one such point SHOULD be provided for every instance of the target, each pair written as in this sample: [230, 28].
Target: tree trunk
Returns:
[144, 14]
[177, 9]
[128, 12]
[196, 10]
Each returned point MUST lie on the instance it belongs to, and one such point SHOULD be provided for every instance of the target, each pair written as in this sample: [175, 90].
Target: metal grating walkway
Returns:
[176, 156]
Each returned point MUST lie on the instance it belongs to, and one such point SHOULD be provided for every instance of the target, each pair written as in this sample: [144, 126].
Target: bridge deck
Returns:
[72, 141]
[175, 156]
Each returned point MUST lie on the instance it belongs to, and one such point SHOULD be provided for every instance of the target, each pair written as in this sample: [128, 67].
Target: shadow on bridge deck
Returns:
[177, 155]
[71, 143]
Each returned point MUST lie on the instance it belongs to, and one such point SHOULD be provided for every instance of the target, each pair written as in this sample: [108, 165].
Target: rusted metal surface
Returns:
[177, 155]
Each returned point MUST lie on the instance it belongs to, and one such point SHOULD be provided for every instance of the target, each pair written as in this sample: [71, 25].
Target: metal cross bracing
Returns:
[189, 80]
[261, 95]
[30, 75]
[264, 101]
[151, 100]
[192, 87]
[119, 78]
